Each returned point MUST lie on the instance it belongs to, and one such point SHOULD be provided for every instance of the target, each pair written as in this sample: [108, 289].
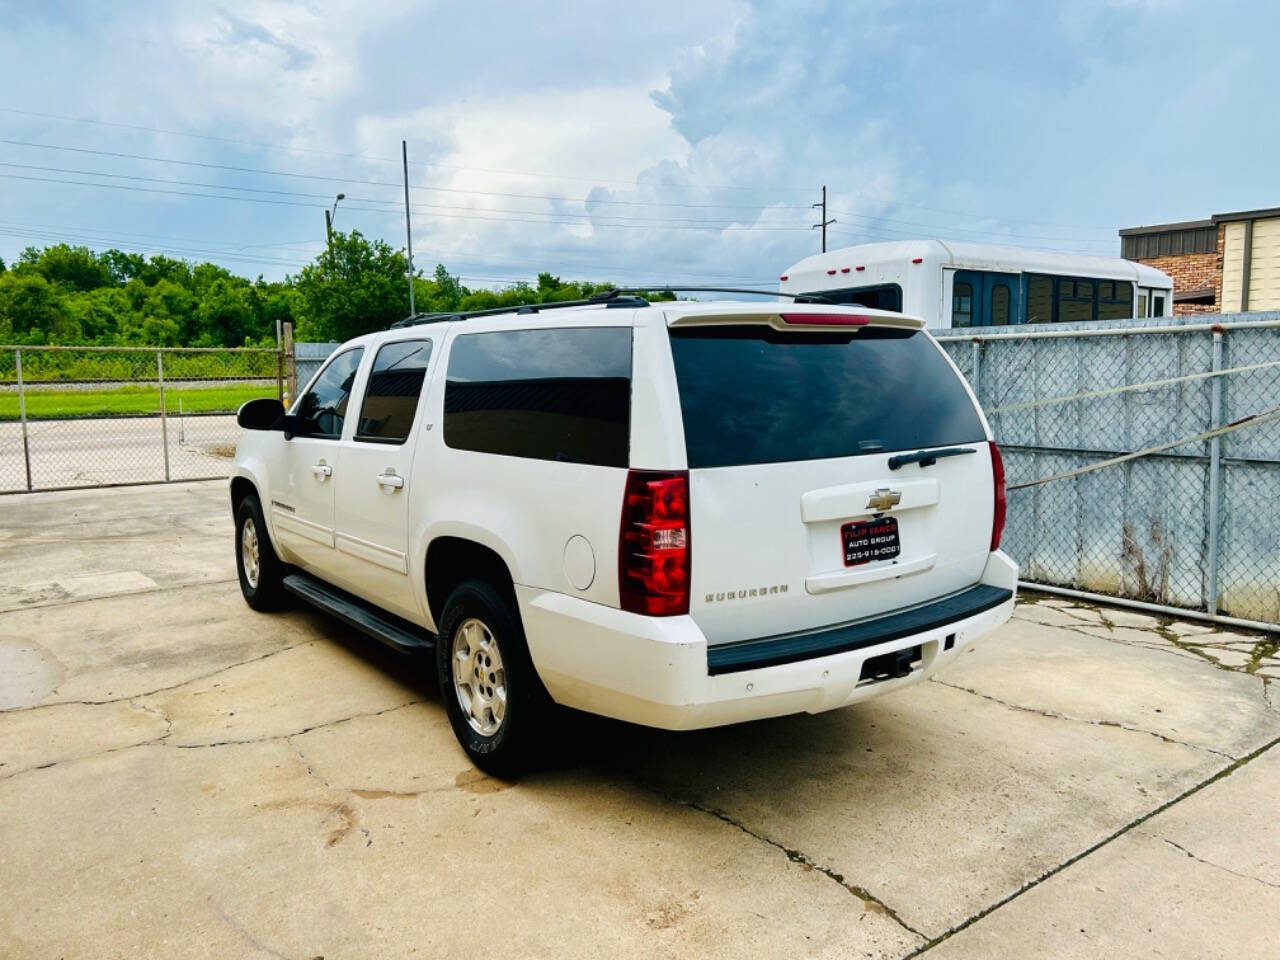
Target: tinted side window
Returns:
[391, 396]
[1000, 301]
[1115, 300]
[1039, 299]
[556, 394]
[884, 296]
[749, 394]
[324, 407]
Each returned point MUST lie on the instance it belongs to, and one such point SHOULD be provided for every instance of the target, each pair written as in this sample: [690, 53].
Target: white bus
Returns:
[981, 285]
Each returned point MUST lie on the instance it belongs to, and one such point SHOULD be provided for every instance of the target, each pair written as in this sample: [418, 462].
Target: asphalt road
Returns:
[88, 452]
[182, 777]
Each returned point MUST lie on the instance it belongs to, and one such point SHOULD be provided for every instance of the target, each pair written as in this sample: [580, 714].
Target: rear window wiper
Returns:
[927, 458]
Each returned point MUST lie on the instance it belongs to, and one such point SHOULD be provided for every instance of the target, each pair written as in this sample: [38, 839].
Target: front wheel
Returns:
[496, 704]
[259, 568]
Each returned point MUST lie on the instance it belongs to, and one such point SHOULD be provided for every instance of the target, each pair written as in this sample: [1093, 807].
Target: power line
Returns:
[503, 194]
[383, 183]
[155, 236]
[369, 157]
[56, 236]
[651, 221]
[660, 225]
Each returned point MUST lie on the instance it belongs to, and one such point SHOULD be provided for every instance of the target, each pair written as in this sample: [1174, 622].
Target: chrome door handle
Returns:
[390, 480]
[321, 471]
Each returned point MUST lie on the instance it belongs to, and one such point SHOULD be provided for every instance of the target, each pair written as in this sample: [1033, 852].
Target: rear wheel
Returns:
[496, 704]
[259, 568]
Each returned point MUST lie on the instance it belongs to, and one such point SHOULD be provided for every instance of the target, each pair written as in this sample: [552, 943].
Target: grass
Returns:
[47, 404]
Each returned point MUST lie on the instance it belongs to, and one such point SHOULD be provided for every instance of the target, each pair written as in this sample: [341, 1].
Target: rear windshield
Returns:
[750, 394]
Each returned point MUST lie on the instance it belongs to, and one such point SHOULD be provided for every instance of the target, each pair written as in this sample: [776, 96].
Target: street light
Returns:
[328, 225]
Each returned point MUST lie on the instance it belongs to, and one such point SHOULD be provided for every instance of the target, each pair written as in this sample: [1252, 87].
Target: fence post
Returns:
[22, 415]
[976, 379]
[279, 370]
[164, 423]
[1215, 470]
[290, 364]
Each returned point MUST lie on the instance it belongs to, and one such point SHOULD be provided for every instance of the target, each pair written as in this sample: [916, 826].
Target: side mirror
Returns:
[265, 413]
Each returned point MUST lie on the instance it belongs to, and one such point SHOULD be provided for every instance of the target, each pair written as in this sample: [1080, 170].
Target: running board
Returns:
[355, 612]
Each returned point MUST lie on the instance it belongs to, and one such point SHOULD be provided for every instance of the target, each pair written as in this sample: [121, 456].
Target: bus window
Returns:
[1115, 300]
[1157, 305]
[1142, 304]
[1075, 300]
[962, 304]
[1000, 301]
[884, 296]
[1039, 299]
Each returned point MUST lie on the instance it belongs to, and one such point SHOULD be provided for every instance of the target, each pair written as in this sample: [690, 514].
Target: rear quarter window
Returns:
[750, 394]
[556, 394]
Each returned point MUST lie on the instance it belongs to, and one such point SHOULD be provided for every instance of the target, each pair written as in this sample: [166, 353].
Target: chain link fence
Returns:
[98, 416]
[1192, 522]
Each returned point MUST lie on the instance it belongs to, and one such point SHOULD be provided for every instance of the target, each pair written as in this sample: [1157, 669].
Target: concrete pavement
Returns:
[183, 777]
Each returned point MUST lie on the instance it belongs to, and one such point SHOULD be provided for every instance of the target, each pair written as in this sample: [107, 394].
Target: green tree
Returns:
[34, 309]
[72, 268]
[124, 267]
[225, 316]
[101, 313]
[361, 289]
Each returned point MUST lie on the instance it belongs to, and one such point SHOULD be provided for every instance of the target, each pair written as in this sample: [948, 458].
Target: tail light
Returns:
[653, 543]
[997, 479]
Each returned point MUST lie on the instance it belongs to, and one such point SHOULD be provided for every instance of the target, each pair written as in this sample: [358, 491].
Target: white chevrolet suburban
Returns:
[678, 514]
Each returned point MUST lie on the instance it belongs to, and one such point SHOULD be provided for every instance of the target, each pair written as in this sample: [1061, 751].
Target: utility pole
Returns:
[408, 232]
[825, 222]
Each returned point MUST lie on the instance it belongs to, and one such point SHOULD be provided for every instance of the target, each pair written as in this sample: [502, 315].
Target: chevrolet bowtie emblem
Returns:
[883, 499]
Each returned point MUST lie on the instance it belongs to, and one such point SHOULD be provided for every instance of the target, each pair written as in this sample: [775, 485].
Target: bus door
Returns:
[980, 298]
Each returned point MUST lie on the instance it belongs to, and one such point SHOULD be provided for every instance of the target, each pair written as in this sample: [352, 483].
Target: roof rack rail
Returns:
[797, 297]
[609, 298]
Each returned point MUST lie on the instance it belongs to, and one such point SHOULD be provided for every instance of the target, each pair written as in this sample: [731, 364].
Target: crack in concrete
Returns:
[243, 931]
[1055, 715]
[1088, 851]
[162, 741]
[1164, 639]
[168, 721]
[870, 901]
[267, 738]
[1218, 866]
[165, 689]
[113, 596]
[1156, 646]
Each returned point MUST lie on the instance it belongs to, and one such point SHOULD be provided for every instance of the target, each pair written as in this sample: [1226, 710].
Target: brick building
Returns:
[1229, 263]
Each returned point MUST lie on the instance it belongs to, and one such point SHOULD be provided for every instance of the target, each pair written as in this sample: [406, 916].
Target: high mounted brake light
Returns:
[653, 543]
[827, 319]
[997, 479]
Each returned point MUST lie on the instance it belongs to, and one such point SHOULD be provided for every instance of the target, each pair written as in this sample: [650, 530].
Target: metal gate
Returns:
[75, 417]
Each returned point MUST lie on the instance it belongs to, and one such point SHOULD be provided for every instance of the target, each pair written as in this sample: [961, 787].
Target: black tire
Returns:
[515, 745]
[267, 593]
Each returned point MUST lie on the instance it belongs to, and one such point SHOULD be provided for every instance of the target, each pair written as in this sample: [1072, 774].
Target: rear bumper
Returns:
[656, 670]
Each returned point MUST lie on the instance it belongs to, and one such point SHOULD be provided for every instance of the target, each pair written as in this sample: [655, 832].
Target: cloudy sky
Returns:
[638, 142]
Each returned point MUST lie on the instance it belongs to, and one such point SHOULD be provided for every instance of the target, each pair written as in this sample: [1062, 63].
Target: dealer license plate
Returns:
[869, 540]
